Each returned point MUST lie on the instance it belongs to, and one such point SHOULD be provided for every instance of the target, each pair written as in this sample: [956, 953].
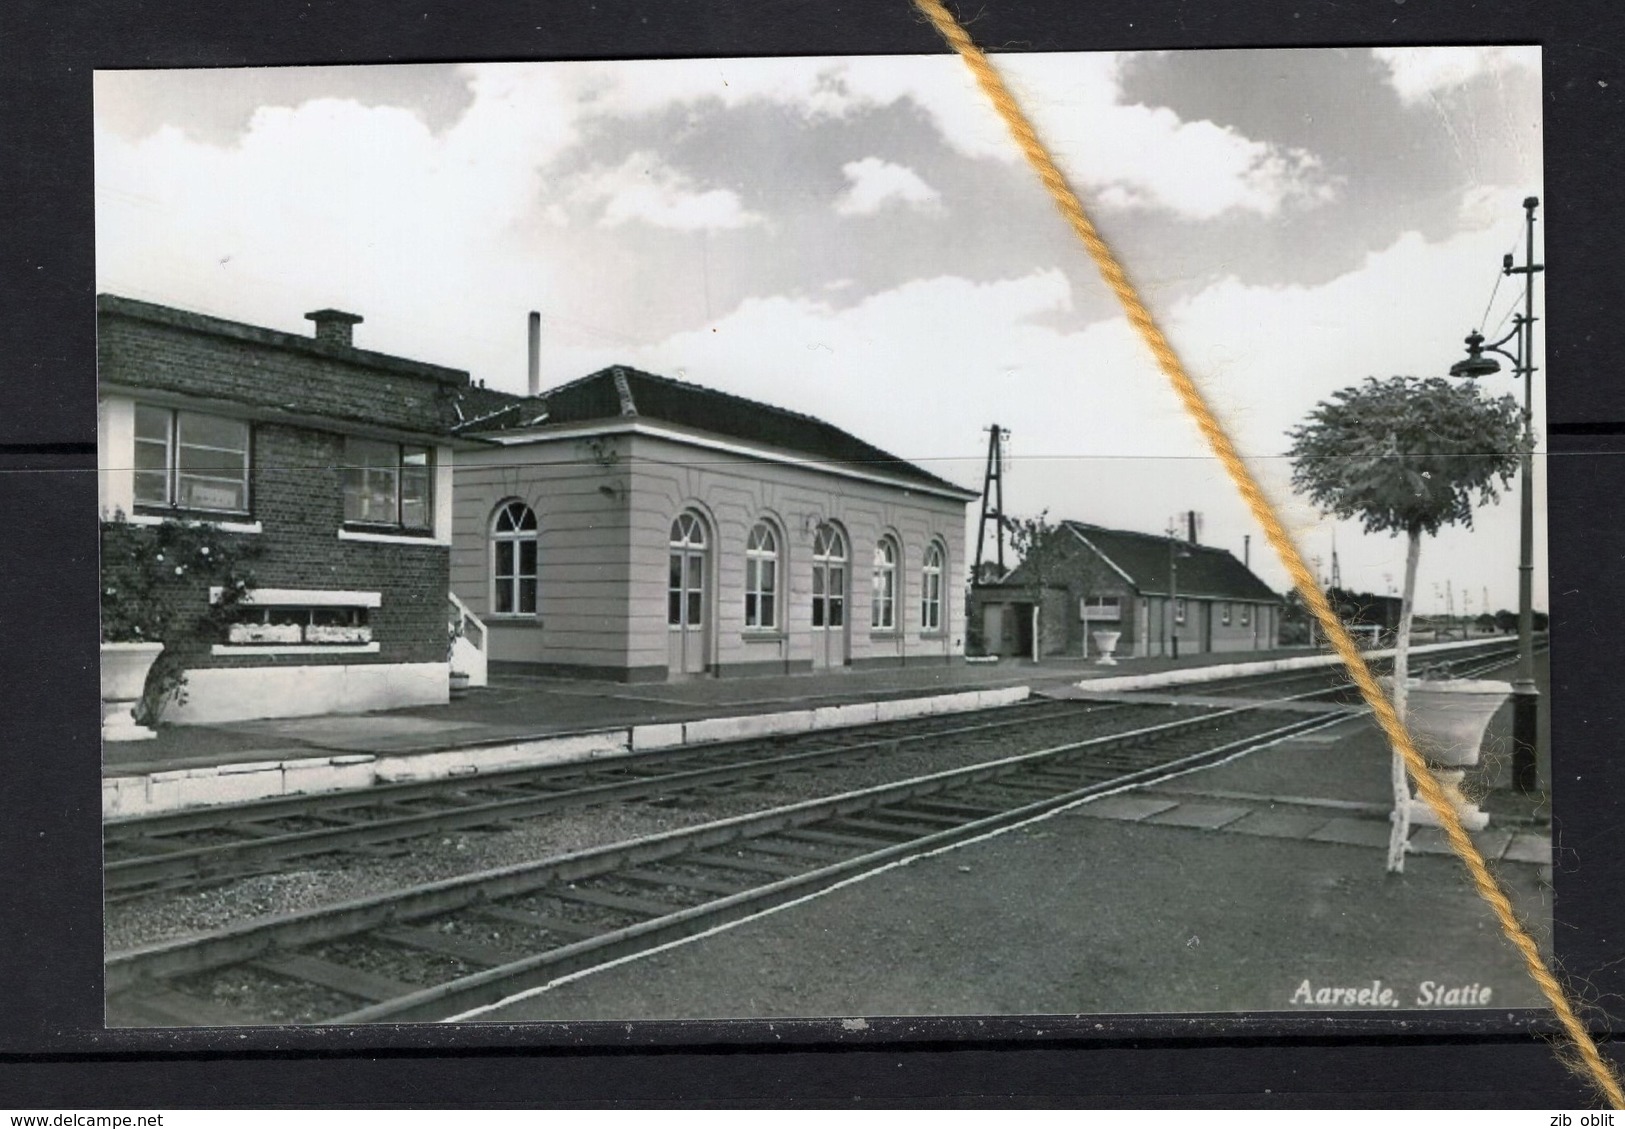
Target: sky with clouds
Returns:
[859, 238]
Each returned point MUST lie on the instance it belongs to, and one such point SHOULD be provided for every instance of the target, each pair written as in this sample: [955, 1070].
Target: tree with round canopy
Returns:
[1407, 456]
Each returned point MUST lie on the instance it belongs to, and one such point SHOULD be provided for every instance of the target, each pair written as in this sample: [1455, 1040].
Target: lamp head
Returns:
[1475, 364]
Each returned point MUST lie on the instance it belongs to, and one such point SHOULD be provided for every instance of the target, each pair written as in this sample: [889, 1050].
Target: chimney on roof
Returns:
[335, 327]
[1190, 518]
[535, 339]
[1247, 550]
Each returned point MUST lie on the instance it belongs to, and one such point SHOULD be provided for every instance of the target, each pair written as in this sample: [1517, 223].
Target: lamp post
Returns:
[1525, 695]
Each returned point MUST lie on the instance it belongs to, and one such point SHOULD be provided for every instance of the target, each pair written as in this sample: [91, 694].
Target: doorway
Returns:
[687, 610]
[829, 580]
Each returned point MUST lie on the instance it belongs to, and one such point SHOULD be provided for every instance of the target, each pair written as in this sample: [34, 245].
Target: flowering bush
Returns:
[155, 589]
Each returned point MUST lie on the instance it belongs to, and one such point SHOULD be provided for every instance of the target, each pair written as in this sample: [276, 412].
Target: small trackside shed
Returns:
[1162, 594]
[634, 527]
[337, 461]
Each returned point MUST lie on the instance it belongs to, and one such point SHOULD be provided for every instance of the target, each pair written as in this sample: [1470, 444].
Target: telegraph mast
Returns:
[992, 503]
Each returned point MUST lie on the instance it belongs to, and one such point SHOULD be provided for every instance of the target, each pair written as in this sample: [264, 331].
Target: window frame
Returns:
[514, 581]
[1179, 612]
[172, 470]
[1246, 615]
[349, 468]
[832, 559]
[932, 567]
[1089, 605]
[884, 592]
[1225, 613]
[761, 561]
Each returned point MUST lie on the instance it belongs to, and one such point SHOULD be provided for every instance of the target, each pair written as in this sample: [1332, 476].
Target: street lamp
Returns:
[1525, 695]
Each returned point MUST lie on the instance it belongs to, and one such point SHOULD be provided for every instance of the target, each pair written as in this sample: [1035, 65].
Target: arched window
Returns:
[762, 577]
[931, 589]
[883, 611]
[513, 560]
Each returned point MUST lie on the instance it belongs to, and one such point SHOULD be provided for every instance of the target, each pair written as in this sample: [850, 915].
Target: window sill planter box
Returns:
[124, 677]
[1106, 644]
[1447, 720]
[263, 633]
[332, 633]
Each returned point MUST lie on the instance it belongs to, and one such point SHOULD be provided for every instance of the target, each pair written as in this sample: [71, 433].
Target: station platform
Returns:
[523, 720]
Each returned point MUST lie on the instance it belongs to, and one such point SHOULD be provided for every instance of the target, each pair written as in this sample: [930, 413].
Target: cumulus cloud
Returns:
[1418, 73]
[1130, 155]
[642, 188]
[336, 203]
[874, 184]
[1089, 409]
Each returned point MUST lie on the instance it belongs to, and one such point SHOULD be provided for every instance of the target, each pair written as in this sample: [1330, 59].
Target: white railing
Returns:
[468, 649]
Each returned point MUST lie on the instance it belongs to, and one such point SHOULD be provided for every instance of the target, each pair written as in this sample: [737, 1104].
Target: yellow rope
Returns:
[1600, 1070]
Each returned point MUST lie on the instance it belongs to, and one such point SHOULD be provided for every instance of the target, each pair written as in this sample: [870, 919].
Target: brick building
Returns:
[1160, 593]
[336, 460]
[630, 526]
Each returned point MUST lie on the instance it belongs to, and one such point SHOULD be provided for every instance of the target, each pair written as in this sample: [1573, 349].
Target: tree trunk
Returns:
[1407, 608]
[1401, 830]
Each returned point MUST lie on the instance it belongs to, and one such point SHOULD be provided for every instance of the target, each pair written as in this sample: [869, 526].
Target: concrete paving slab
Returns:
[1131, 808]
[1204, 817]
[363, 732]
[1529, 848]
[1276, 824]
[1491, 842]
[1354, 832]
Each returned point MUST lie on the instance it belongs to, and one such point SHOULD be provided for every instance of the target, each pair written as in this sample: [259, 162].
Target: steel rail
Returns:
[246, 940]
[218, 860]
[287, 807]
[491, 986]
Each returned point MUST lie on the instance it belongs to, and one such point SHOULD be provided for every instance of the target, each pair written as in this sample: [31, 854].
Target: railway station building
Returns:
[623, 525]
[1164, 595]
[638, 528]
[333, 461]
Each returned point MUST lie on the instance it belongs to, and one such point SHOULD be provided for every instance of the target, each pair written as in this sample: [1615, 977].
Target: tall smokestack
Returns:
[1247, 549]
[1190, 517]
[535, 367]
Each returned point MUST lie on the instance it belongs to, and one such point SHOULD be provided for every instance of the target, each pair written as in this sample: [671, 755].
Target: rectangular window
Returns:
[761, 582]
[190, 461]
[1179, 611]
[1246, 615]
[931, 601]
[388, 484]
[293, 626]
[1224, 613]
[1098, 608]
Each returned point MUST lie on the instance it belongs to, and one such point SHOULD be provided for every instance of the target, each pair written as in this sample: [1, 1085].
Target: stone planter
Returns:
[124, 677]
[1106, 645]
[1447, 720]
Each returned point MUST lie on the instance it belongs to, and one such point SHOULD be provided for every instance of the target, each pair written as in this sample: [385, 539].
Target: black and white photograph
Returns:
[698, 538]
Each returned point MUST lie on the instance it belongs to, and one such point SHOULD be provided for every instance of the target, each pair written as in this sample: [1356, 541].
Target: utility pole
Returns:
[992, 503]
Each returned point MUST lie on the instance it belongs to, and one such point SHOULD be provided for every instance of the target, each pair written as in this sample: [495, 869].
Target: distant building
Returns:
[1153, 589]
[1375, 615]
[337, 460]
[630, 526]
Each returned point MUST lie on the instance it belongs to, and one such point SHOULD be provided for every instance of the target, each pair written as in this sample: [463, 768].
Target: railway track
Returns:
[182, 850]
[442, 949]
